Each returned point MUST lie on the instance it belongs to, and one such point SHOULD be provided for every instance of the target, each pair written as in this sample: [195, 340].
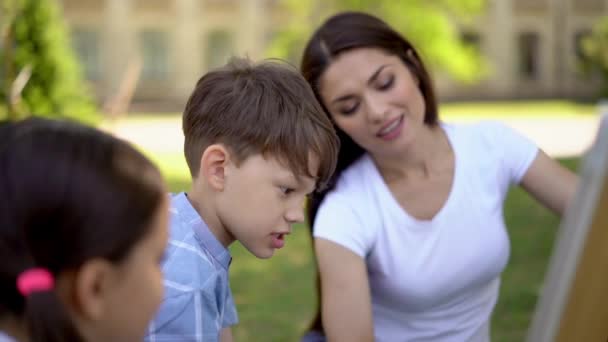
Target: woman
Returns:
[83, 226]
[410, 241]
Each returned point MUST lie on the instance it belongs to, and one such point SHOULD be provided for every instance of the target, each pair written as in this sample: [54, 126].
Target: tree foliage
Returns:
[35, 36]
[595, 51]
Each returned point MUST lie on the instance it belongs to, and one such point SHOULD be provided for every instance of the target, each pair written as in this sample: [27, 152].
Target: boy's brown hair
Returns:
[266, 108]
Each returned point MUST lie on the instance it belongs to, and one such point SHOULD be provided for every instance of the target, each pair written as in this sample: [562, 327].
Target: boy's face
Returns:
[260, 201]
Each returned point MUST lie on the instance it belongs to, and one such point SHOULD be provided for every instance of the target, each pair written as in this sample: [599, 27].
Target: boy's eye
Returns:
[286, 190]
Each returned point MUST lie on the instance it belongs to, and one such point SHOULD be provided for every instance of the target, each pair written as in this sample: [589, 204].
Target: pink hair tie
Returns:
[35, 280]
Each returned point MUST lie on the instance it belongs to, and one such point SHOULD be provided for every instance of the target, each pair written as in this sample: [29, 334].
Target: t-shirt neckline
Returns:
[392, 201]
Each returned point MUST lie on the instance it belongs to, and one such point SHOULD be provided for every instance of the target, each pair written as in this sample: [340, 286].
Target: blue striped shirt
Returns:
[198, 302]
[6, 338]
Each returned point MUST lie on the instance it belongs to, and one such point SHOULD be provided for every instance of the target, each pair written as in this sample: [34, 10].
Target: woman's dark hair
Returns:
[69, 193]
[344, 32]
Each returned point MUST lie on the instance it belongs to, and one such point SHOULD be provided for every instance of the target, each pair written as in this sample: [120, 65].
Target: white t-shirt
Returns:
[433, 280]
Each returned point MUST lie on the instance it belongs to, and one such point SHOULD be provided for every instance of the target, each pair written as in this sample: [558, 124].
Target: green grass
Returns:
[276, 299]
[173, 167]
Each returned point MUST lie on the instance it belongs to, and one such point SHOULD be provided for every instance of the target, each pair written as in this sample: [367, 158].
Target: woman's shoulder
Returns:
[484, 136]
[476, 129]
[349, 213]
[356, 179]
[356, 187]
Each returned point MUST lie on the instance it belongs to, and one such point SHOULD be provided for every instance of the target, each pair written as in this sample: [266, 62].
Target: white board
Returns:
[573, 305]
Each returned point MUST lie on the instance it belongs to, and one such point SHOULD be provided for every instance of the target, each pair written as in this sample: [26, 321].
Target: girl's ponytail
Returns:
[45, 316]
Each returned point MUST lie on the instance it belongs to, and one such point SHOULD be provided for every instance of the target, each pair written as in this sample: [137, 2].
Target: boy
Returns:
[256, 143]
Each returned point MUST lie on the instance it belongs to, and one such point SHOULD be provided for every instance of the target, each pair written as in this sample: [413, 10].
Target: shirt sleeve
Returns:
[339, 221]
[519, 153]
[230, 314]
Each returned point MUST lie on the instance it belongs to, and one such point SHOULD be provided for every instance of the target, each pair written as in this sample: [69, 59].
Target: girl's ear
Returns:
[91, 286]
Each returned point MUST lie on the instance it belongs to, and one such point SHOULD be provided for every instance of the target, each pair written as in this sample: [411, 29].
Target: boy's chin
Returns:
[262, 253]
[266, 254]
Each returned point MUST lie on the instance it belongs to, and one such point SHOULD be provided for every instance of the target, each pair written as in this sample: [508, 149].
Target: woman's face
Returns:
[375, 99]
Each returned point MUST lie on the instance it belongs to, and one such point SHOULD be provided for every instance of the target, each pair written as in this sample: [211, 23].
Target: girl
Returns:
[83, 226]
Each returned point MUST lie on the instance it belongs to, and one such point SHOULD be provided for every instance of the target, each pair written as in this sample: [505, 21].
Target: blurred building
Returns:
[533, 46]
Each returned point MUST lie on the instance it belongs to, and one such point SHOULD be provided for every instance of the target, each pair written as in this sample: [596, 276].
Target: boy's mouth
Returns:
[278, 240]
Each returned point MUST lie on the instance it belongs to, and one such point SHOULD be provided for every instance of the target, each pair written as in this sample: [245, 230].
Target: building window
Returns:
[578, 44]
[86, 45]
[163, 6]
[471, 39]
[220, 47]
[588, 6]
[91, 6]
[155, 55]
[530, 6]
[528, 44]
[584, 69]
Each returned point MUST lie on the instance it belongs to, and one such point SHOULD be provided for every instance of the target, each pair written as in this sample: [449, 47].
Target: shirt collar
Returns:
[203, 234]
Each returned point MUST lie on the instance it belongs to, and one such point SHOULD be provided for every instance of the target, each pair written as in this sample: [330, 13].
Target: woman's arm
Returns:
[550, 183]
[345, 302]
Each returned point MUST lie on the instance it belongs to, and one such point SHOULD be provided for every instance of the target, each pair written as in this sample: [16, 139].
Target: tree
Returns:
[431, 25]
[35, 39]
[595, 51]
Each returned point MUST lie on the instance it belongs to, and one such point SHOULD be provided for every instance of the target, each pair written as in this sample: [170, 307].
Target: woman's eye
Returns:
[349, 110]
[387, 84]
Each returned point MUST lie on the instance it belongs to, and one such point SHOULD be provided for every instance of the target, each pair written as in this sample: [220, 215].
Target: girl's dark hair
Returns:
[344, 32]
[69, 193]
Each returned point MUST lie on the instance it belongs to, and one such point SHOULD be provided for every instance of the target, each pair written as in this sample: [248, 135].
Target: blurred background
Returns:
[128, 66]
[493, 49]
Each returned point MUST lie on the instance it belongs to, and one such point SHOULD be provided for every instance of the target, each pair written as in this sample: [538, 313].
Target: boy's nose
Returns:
[295, 215]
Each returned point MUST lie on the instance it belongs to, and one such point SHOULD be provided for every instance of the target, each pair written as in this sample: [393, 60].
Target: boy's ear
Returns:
[214, 162]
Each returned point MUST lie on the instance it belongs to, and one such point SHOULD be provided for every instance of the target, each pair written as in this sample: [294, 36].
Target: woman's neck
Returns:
[427, 153]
